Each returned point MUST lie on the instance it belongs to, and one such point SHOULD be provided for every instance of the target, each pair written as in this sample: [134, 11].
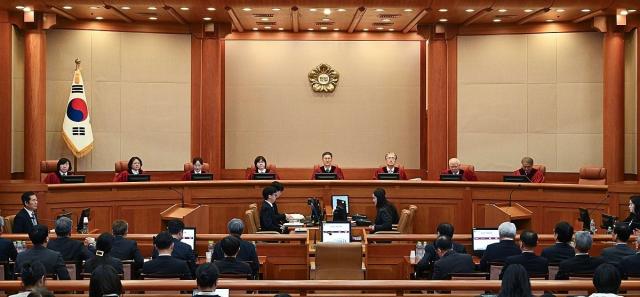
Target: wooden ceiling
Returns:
[379, 15]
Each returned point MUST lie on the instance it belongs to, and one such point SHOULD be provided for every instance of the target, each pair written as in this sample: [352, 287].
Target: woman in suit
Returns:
[62, 168]
[260, 166]
[133, 167]
[198, 164]
[634, 213]
[386, 213]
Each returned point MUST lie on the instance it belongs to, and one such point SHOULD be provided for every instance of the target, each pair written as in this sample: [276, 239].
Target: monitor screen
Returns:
[515, 179]
[72, 179]
[325, 176]
[202, 176]
[338, 232]
[388, 176]
[450, 177]
[482, 237]
[189, 237]
[264, 176]
[336, 198]
[138, 178]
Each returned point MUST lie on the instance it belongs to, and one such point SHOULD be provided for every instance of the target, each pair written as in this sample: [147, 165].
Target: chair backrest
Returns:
[538, 276]
[189, 167]
[495, 268]
[469, 276]
[127, 268]
[256, 215]
[593, 176]
[160, 276]
[249, 222]
[8, 224]
[46, 167]
[541, 167]
[121, 166]
[403, 222]
[72, 267]
[412, 217]
[468, 167]
[339, 261]
[553, 270]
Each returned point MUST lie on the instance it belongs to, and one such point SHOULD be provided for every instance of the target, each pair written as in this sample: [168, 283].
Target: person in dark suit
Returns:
[247, 249]
[71, 250]
[386, 213]
[270, 219]
[165, 264]
[123, 248]
[26, 218]
[581, 262]
[607, 280]
[430, 254]
[103, 257]
[51, 260]
[630, 265]
[181, 250]
[230, 265]
[528, 259]
[562, 249]
[499, 251]
[450, 261]
[207, 279]
[614, 254]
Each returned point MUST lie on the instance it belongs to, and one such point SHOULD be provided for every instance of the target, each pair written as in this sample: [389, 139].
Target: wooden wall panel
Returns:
[5, 94]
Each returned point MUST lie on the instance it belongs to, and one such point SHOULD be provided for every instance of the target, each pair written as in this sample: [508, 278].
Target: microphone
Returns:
[181, 196]
[511, 193]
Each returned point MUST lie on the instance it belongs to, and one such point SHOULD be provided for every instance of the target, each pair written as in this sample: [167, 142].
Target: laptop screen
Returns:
[189, 237]
[343, 198]
[482, 237]
[338, 232]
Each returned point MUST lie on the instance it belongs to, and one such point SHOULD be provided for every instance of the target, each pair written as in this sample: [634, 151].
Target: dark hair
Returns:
[197, 159]
[230, 245]
[104, 242]
[258, 159]
[445, 229]
[381, 197]
[40, 292]
[163, 240]
[175, 226]
[119, 227]
[61, 162]
[267, 191]
[207, 275]
[564, 231]
[104, 281]
[282, 295]
[26, 197]
[515, 282]
[529, 238]
[622, 231]
[607, 279]
[443, 242]
[278, 185]
[635, 199]
[131, 163]
[327, 153]
[32, 273]
[38, 234]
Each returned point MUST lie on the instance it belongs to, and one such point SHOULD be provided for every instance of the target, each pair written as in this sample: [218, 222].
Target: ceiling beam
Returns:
[175, 14]
[63, 13]
[295, 19]
[533, 15]
[477, 16]
[357, 17]
[589, 16]
[119, 13]
[415, 20]
[234, 19]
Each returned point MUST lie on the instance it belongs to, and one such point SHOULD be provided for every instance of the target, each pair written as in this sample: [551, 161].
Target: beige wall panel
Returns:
[492, 59]
[478, 105]
[63, 47]
[17, 153]
[106, 107]
[56, 148]
[580, 57]
[107, 150]
[17, 52]
[630, 152]
[158, 150]
[544, 148]
[17, 100]
[541, 58]
[579, 150]
[17, 104]
[170, 61]
[580, 108]
[106, 50]
[492, 151]
[542, 108]
[271, 110]
[631, 97]
[155, 107]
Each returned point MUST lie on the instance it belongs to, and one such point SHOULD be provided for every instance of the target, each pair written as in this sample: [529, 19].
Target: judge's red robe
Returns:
[400, 171]
[123, 176]
[535, 175]
[52, 178]
[467, 175]
[334, 169]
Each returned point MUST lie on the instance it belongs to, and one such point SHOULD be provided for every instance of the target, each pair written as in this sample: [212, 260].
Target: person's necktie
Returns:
[33, 220]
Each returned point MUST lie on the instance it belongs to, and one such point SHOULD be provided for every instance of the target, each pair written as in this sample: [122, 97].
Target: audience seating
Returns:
[495, 269]
[412, 217]
[403, 224]
[341, 261]
[593, 176]
[8, 224]
[256, 215]
[469, 276]
[46, 167]
[189, 167]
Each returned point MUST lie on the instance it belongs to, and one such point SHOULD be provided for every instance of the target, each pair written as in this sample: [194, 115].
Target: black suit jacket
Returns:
[230, 265]
[71, 250]
[532, 263]
[270, 218]
[22, 222]
[430, 256]
[558, 252]
[615, 253]
[183, 252]
[578, 264]
[126, 249]
[498, 252]
[630, 265]
[452, 262]
[7, 250]
[51, 260]
[111, 261]
[167, 265]
[247, 253]
[386, 216]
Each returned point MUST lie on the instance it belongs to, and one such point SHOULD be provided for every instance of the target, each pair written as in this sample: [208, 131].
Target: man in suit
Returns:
[607, 280]
[270, 219]
[630, 265]
[26, 218]
[499, 251]
[532, 263]
[581, 262]
[247, 249]
[71, 250]
[123, 248]
[230, 265]
[450, 261]
[51, 260]
[181, 250]
[165, 263]
[430, 254]
[614, 254]
[562, 249]
[207, 279]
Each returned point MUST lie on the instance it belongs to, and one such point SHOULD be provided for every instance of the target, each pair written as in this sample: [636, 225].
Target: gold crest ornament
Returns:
[323, 78]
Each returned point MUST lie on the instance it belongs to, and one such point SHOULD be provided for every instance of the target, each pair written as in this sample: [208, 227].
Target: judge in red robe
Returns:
[260, 166]
[327, 158]
[390, 159]
[62, 168]
[454, 168]
[134, 167]
[534, 175]
[197, 163]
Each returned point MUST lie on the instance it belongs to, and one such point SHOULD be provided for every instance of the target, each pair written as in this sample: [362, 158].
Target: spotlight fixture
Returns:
[267, 27]
[313, 9]
[153, 18]
[275, 9]
[549, 20]
[443, 20]
[99, 18]
[408, 10]
[469, 10]
[443, 10]
[365, 29]
[327, 11]
[184, 8]
[152, 8]
[586, 10]
[67, 7]
[246, 9]
[125, 7]
[280, 29]
[211, 8]
[502, 10]
[341, 10]
[497, 20]
[323, 28]
[206, 18]
[379, 10]
[528, 10]
[20, 7]
[560, 10]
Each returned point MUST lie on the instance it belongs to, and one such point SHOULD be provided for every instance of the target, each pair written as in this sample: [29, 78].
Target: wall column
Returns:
[5, 95]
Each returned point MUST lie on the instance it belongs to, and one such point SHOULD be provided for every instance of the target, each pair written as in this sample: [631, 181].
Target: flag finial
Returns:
[77, 63]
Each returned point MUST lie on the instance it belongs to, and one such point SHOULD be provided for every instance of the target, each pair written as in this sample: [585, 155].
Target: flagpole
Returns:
[75, 163]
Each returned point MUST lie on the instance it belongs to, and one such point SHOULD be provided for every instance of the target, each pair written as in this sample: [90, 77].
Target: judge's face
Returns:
[261, 164]
[375, 199]
[527, 167]
[197, 166]
[136, 164]
[454, 167]
[631, 207]
[33, 203]
[391, 159]
[326, 160]
[64, 167]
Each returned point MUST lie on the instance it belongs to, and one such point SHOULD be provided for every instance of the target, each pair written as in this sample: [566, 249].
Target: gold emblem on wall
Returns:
[323, 78]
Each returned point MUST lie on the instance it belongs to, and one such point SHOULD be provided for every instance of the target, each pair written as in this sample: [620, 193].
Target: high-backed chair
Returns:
[121, 166]
[47, 167]
[339, 261]
[468, 167]
[593, 176]
[189, 167]
[403, 223]
[412, 218]
[8, 224]
[250, 222]
[256, 215]
[542, 168]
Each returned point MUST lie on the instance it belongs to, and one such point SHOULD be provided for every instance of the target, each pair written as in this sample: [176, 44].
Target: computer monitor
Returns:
[585, 218]
[482, 237]
[138, 178]
[325, 176]
[388, 176]
[335, 198]
[338, 232]
[264, 176]
[516, 179]
[451, 177]
[189, 236]
[202, 176]
[86, 213]
[72, 179]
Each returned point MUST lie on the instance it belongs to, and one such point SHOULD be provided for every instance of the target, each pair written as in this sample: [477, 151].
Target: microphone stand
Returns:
[180, 194]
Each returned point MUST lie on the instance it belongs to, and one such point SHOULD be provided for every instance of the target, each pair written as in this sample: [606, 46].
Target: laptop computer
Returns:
[189, 236]
[338, 232]
[482, 237]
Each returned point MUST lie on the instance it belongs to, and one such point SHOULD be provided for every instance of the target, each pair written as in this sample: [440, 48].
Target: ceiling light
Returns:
[246, 9]
[408, 10]
[264, 19]
[310, 29]
[497, 20]
[469, 10]
[275, 9]
[151, 8]
[206, 18]
[94, 7]
[365, 29]
[313, 9]
[443, 20]
[67, 7]
[528, 10]
[327, 11]
[184, 8]
[99, 18]
[153, 18]
[586, 10]
[341, 10]
[280, 29]
[336, 29]
[549, 21]
[20, 7]
[323, 28]
[443, 10]
[125, 7]
[631, 10]
[267, 27]
[386, 20]
[502, 10]
[624, 12]
[379, 10]
[255, 29]
[560, 10]
[26, 9]
[379, 28]
[326, 19]
[392, 29]
[211, 8]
